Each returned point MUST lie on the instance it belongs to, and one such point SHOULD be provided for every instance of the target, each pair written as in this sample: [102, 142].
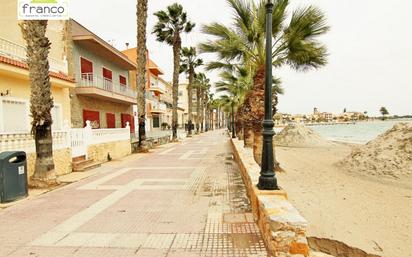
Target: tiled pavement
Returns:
[182, 201]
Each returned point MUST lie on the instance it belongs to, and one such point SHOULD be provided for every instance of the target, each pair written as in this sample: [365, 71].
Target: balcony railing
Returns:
[159, 107]
[92, 80]
[156, 86]
[18, 52]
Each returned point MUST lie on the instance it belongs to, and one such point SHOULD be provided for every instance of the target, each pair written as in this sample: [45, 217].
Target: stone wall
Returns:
[62, 162]
[281, 225]
[116, 150]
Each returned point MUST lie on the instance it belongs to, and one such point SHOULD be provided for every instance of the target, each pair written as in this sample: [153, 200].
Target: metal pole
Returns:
[267, 179]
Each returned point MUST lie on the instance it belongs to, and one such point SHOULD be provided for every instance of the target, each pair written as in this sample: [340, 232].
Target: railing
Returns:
[155, 85]
[82, 138]
[77, 139]
[25, 141]
[18, 53]
[100, 136]
[159, 107]
[92, 80]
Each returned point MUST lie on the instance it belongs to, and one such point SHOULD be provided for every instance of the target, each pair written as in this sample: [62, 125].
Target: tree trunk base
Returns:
[43, 182]
[143, 147]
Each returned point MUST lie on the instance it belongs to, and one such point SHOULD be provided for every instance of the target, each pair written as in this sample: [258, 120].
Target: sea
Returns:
[358, 133]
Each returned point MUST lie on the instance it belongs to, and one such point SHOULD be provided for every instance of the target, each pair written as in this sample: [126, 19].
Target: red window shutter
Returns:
[86, 66]
[111, 120]
[127, 118]
[107, 74]
[122, 80]
[132, 129]
[93, 117]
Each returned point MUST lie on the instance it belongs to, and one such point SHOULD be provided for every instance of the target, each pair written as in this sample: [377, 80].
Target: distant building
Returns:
[351, 116]
[183, 103]
[155, 88]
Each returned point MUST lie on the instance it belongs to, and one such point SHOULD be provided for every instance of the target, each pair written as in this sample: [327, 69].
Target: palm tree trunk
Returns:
[41, 101]
[207, 118]
[202, 108]
[211, 119]
[239, 131]
[141, 71]
[198, 109]
[248, 136]
[190, 100]
[217, 118]
[177, 44]
[257, 103]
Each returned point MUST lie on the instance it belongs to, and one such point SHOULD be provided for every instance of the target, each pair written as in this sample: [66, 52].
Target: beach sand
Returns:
[363, 211]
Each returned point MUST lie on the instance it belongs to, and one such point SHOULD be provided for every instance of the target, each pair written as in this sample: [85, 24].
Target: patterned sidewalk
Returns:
[187, 199]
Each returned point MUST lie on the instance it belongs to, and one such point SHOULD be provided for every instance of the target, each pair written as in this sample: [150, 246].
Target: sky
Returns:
[369, 46]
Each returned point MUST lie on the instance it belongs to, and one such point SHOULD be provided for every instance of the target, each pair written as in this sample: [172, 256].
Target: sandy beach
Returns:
[367, 212]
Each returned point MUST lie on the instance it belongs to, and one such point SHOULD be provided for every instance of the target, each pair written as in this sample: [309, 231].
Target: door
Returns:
[128, 118]
[86, 68]
[107, 79]
[111, 120]
[78, 142]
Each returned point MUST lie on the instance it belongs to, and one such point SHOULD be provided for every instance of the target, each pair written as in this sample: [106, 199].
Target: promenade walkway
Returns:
[182, 200]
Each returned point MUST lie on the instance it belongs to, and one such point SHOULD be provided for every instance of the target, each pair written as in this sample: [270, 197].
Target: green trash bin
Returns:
[13, 176]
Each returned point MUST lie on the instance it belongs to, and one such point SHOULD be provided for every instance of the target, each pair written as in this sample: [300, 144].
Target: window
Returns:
[14, 115]
[56, 113]
[86, 68]
[107, 74]
[122, 80]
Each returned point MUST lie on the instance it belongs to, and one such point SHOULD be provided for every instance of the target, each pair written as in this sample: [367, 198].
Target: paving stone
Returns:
[187, 200]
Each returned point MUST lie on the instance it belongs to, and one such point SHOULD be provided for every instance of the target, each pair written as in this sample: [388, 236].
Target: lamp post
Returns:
[233, 122]
[267, 179]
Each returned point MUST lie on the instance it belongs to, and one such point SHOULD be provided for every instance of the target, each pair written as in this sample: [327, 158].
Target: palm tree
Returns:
[243, 44]
[171, 23]
[236, 82]
[202, 83]
[41, 101]
[384, 112]
[141, 70]
[189, 62]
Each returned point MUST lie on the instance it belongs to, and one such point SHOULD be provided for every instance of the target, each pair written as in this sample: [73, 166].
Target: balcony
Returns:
[95, 86]
[18, 52]
[158, 107]
[156, 86]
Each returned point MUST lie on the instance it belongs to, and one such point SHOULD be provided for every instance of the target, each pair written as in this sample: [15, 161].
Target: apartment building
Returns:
[158, 93]
[103, 93]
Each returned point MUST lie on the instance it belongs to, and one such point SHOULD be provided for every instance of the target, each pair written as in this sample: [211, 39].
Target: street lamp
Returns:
[267, 179]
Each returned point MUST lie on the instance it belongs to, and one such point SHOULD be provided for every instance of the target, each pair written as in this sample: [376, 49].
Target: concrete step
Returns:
[81, 163]
[79, 158]
[88, 166]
